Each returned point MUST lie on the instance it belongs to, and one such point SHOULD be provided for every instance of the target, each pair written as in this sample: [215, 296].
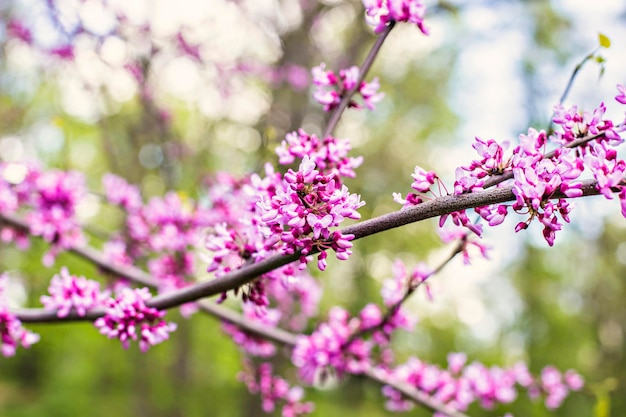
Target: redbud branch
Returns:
[289, 339]
[283, 337]
[255, 328]
[434, 208]
[414, 394]
[575, 73]
[497, 179]
[92, 255]
[363, 70]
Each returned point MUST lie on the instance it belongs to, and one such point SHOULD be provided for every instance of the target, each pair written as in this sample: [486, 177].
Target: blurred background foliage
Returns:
[490, 68]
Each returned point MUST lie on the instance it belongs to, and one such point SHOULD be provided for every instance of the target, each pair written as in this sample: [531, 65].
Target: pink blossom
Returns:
[19, 31]
[573, 380]
[55, 195]
[295, 293]
[64, 52]
[329, 154]
[331, 88]
[119, 192]
[465, 384]
[69, 292]
[274, 390]
[423, 179]
[128, 318]
[379, 13]
[456, 361]
[324, 351]
[305, 209]
[12, 334]
[621, 97]
[536, 179]
[403, 281]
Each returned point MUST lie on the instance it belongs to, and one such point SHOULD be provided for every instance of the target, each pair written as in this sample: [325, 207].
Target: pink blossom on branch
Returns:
[274, 390]
[53, 216]
[306, 210]
[12, 334]
[331, 88]
[395, 289]
[461, 385]
[127, 318]
[537, 178]
[69, 292]
[325, 353]
[330, 154]
[379, 13]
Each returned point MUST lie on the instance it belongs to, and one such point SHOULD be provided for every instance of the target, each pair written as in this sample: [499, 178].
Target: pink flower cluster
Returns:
[396, 288]
[331, 88]
[379, 13]
[128, 318]
[263, 215]
[12, 334]
[50, 200]
[166, 224]
[339, 345]
[538, 178]
[556, 385]
[56, 195]
[166, 229]
[330, 154]
[274, 389]
[324, 353]
[69, 292]
[459, 386]
[303, 213]
[345, 345]
[296, 295]
[239, 236]
[120, 193]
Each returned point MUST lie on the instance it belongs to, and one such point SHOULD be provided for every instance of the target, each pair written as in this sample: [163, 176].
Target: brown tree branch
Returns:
[434, 208]
[363, 70]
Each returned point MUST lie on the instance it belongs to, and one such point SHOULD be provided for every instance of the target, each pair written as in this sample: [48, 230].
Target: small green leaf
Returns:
[604, 40]
[602, 407]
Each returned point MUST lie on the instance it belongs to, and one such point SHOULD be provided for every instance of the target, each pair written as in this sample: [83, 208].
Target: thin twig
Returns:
[418, 396]
[411, 288]
[575, 73]
[363, 70]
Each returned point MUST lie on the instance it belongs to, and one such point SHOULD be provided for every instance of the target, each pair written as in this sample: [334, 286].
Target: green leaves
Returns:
[602, 391]
[604, 41]
[594, 56]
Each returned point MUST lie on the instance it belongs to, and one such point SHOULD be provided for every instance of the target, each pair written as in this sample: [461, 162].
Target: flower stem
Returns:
[363, 70]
